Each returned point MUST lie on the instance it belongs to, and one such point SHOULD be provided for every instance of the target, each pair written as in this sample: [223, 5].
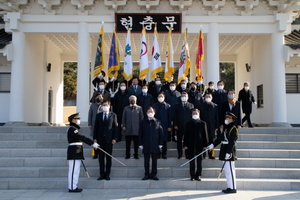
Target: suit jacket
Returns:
[121, 100]
[247, 98]
[75, 152]
[195, 98]
[145, 102]
[107, 128]
[237, 110]
[172, 98]
[182, 116]
[150, 135]
[131, 120]
[209, 114]
[135, 93]
[153, 91]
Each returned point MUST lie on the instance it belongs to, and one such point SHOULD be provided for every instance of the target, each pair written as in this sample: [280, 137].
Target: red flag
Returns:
[199, 57]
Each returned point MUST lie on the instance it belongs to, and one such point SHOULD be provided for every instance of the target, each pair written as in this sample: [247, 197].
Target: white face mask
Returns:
[230, 96]
[195, 117]
[123, 87]
[246, 88]
[183, 86]
[226, 121]
[211, 87]
[144, 90]
[150, 115]
[183, 99]
[101, 87]
[157, 82]
[172, 88]
[161, 99]
[220, 87]
[78, 122]
[208, 100]
[105, 108]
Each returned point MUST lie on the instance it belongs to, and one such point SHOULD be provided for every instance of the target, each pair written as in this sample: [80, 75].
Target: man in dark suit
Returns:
[135, 89]
[209, 114]
[145, 100]
[105, 94]
[219, 97]
[150, 141]
[105, 133]
[182, 114]
[246, 96]
[195, 97]
[195, 140]
[156, 89]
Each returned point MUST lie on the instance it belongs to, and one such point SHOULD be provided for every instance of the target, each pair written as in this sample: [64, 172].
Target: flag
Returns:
[199, 57]
[99, 59]
[144, 69]
[185, 61]
[169, 68]
[155, 59]
[114, 57]
[127, 73]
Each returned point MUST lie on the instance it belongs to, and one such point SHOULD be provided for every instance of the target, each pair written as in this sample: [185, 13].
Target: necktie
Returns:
[105, 117]
[134, 88]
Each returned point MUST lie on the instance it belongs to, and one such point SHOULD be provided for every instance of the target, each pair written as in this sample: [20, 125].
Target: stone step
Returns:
[170, 162]
[120, 152]
[136, 172]
[163, 183]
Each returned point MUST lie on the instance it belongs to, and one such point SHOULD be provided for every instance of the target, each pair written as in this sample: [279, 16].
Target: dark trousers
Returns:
[164, 148]
[198, 172]
[108, 148]
[180, 146]
[135, 140]
[147, 163]
[247, 117]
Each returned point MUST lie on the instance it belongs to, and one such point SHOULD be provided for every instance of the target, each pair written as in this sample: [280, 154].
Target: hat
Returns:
[230, 115]
[73, 116]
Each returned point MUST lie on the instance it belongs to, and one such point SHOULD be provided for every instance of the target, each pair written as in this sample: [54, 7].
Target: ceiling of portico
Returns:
[229, 44]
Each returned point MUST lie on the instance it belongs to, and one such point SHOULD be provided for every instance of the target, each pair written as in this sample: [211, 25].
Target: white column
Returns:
[83, 84]
[212, 53]
[278, 82]
[16, 107]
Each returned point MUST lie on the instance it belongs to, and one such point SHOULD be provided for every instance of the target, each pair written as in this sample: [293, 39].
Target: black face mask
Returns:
[99, 100]
[193, 89]
[132, 101]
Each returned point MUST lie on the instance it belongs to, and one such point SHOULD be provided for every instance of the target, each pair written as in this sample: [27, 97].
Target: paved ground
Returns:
[153, 194]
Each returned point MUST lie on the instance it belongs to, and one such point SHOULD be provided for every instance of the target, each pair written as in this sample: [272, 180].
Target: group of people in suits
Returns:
[190, 114]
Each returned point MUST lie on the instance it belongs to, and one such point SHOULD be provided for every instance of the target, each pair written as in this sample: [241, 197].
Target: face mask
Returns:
[144, 90]
[211, 87]
[157, 82]
[78, 122]
[105, 108]
[123, 88]
[183, 99]
[193, 89]
[195, 117]
[161, 99]
[208, 100]
[150, 115]
[172, 88]
[132, 102]
[220, 87]
[183, 86]
[226, 121]
[230, 96]
[101, 87]
[246, 88]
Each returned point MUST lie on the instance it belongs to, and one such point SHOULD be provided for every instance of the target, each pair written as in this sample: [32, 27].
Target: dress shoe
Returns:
[212, 157]
[179, 157]
[127, 157]
[101, 178]
[198, 178]
[154, 178]
[164, 157]
[192, 178]
[136, 157]
[146, 178]
[76, 190]
[95, 156]
[107, 178]
[228, 190]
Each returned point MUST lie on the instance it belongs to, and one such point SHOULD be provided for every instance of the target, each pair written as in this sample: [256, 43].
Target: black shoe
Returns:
[154, 178]
[107, 178]
[101, 178]
[164, 157]
[179, 157]
[198, 178]
[146, 178]
[95, 156]
[127, 157]
[136, 157]
[192, 178]
[228, 190]
[76, 190]
[212, 157]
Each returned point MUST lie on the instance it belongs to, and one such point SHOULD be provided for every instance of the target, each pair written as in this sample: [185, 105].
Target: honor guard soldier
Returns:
[75, 151]
[228, 151]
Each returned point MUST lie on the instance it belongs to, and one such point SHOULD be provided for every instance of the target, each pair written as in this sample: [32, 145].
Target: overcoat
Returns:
[132, 116]
[163, 113]
[182, 116]
[209, 114]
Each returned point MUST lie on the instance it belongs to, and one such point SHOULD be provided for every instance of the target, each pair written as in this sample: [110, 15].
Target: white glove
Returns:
[141, 147]
[227, 156]
[96, 145]
[160, 146]
[211, 146]
[112, 79]
[100, 76]
[255, 102]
